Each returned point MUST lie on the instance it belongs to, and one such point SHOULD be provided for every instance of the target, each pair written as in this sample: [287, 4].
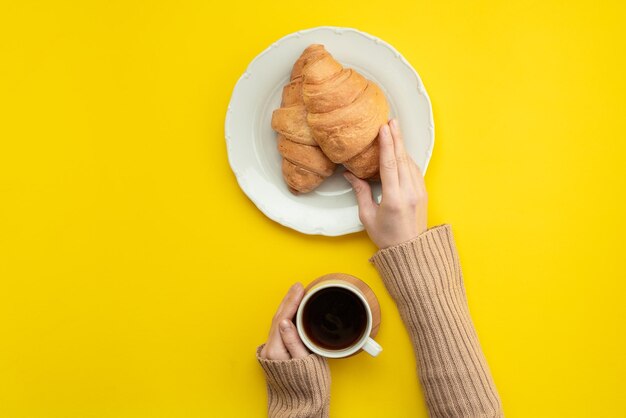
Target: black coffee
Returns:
[334, 318]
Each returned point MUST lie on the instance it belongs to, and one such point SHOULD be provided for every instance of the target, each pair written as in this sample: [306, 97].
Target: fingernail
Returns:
[384, 131]
[393, 123]
[348, 176]
[285, 325]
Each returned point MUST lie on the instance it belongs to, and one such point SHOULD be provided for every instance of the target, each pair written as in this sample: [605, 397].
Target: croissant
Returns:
[345, 112]
[304, 165]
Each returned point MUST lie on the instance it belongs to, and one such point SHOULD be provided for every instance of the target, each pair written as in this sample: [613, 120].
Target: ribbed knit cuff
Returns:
[426, 264]
[297, 387]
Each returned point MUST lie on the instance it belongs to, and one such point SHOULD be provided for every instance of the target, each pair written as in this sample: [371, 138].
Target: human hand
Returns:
[401, 214]
[284, 343]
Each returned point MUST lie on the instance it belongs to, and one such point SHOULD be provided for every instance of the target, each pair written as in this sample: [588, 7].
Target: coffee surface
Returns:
[334, 318]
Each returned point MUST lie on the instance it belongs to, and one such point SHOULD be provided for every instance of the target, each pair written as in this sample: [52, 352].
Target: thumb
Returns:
[292, 340]
[363, 192]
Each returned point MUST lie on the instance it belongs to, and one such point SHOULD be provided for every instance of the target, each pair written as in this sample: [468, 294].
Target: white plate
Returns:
[252, 152]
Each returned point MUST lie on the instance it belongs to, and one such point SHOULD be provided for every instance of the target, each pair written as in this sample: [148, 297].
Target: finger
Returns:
[291, 340]
[274, 349]
[388, 164]
[287, 309]
[363, 192]
[402, 159]
[290, 302]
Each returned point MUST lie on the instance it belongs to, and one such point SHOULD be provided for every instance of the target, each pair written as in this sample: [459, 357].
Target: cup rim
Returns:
[334, 353]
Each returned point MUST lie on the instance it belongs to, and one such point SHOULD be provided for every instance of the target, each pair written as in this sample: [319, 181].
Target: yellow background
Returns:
[136, 279]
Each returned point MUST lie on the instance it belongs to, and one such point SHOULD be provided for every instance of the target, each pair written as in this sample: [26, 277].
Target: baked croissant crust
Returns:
[329, 115]
[304, 165]
[344, 112]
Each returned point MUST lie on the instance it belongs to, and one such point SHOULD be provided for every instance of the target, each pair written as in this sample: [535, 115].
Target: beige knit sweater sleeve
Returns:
[424, 278]
[297, 388]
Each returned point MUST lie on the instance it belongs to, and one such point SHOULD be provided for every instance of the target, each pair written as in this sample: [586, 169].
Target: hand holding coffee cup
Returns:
[338, 316]
[283, 342]
[342, 316]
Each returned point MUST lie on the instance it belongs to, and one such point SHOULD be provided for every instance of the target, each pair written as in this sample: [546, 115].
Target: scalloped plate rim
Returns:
[336, 231]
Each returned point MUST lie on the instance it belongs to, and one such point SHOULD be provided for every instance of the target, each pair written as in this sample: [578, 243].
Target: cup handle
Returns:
[372, 347]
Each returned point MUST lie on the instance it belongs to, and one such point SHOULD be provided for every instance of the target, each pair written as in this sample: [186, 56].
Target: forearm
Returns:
[297, 387]
[424, 278]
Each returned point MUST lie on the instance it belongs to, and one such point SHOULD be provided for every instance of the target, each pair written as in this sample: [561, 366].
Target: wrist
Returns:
[387, 242]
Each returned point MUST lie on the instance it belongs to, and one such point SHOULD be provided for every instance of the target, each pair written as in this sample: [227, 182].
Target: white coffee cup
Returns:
[356, 286]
